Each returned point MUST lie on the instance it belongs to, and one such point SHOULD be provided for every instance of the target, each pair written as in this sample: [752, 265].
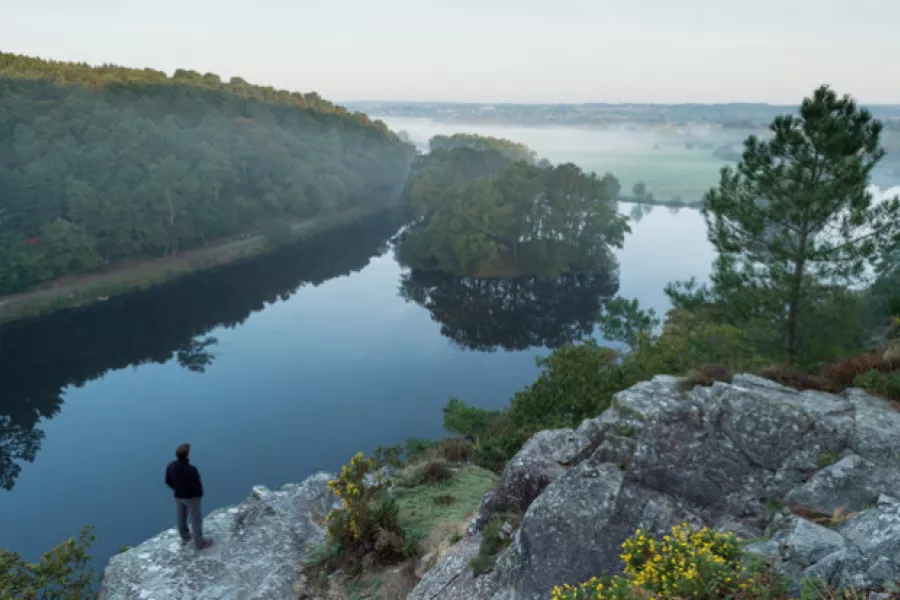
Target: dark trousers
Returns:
[185, 507]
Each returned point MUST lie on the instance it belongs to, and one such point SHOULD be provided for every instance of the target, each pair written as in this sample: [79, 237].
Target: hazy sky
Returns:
[488, 50]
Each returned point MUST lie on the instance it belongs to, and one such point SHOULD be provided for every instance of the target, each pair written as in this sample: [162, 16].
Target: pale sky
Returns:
[671, 51]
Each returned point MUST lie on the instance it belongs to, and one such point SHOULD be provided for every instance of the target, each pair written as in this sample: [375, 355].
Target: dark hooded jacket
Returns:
[184, 479]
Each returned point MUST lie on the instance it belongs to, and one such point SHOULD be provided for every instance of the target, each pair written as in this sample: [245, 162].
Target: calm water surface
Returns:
[274, 369]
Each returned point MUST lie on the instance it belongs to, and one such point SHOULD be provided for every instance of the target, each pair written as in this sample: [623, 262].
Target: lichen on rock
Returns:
[734, 457]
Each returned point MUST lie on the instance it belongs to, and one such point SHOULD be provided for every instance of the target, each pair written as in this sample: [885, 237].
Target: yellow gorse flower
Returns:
[685, 564]
[349, 486]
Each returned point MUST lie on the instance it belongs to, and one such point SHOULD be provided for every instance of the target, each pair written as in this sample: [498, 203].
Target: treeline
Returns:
[101, 164]
[513, 151]
[479, 208]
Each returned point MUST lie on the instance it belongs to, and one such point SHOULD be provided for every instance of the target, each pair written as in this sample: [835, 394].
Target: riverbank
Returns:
[131, 276]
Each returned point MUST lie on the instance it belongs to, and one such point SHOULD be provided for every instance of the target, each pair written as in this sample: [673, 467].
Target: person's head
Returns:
[183, 452]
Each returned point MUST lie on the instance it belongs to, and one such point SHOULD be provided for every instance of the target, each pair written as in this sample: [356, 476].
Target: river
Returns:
[273, 369]
[288, 364]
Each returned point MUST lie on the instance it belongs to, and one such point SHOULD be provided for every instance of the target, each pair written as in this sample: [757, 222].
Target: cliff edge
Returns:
[811, 479]
[259, 549]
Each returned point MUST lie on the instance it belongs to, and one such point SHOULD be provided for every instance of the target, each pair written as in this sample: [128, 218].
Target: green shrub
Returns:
[827, 459]
[61, 574]
[703, 564]
[495, 452]
[492, 542]
[468, 421]
[577, 382]
[367, 524]
[432, 472]
[444, 499]
[456, 450]
[883, 383]
[418, 448]
[389, 456]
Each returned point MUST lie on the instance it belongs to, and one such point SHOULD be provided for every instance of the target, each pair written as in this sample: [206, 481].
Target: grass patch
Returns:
[431, 472]
[627, 430]
[492, 542]
[444, 499]
[369, 588]
[425, 507]
[827, 459]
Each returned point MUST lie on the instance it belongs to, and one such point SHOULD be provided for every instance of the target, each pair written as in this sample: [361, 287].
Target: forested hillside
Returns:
[101, 164]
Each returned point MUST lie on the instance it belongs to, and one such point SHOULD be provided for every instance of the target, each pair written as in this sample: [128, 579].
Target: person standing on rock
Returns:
[184, 479]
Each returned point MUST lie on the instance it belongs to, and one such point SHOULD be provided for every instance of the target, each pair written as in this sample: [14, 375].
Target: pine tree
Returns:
[794, 218]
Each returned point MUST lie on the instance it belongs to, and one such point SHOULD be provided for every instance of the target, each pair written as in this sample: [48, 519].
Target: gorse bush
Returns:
[368, 522]
[703, 565]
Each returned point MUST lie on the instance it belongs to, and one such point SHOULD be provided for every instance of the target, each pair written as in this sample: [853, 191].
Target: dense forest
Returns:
[481, 206]
[101, 164]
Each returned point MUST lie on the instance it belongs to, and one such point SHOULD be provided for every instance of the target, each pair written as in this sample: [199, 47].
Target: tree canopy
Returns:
[513, 151]
[100, 164]
[480, 212]
[796, 229]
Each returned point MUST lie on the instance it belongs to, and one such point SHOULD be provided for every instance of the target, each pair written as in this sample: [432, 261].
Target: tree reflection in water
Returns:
[40, 358]
[513, 314]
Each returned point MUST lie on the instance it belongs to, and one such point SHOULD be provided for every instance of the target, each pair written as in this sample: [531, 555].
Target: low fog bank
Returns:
[675, 161]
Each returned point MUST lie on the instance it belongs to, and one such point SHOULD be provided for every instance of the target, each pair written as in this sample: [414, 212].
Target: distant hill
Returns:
[734, 115]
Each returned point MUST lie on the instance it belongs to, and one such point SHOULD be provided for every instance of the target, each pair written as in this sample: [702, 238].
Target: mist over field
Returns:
[675, 161]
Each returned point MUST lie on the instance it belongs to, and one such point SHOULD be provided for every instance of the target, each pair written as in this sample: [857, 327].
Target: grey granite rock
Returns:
[257, 555]
[541, 460]
[736, 457]
[851, 484]
[452, 579]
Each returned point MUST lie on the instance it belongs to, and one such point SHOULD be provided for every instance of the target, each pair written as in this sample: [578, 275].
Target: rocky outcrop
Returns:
[259, 549]
[860, 552]
[738, 457]
[542, 460]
